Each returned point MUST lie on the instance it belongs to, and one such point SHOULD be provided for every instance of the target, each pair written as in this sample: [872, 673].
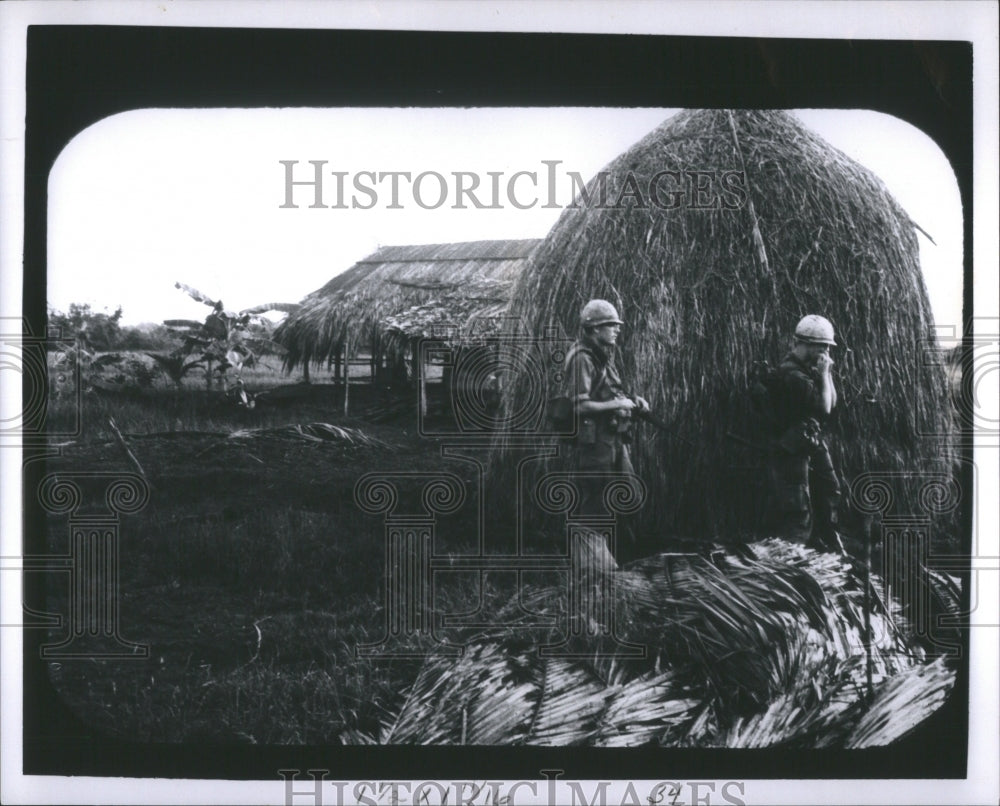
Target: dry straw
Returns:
[706, 293]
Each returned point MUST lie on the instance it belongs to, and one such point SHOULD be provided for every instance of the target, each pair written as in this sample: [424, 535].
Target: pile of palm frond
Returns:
[749, 653]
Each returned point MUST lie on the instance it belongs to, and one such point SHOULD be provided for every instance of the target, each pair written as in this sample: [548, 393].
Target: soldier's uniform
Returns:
[601, 443]
[803, 477]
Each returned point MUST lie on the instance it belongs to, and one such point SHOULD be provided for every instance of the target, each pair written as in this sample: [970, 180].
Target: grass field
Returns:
[252, 574]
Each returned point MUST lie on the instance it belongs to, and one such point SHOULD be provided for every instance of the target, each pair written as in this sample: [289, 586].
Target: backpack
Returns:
[559, 414]
[765, 392]
[560, 411]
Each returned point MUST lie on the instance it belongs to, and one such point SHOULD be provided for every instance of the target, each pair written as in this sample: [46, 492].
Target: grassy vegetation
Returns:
[193, 407]
[252, 575]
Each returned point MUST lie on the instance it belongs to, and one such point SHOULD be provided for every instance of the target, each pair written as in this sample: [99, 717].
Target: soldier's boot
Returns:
[795, 526]
[827, 540]
[789, 483]
[825, 535]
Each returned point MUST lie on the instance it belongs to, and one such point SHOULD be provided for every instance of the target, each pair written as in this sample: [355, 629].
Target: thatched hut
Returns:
[389, 300]
[713, 235]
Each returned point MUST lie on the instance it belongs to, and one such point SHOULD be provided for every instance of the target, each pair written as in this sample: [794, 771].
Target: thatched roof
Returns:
[708, 291]
[470, 313]
[419, 286]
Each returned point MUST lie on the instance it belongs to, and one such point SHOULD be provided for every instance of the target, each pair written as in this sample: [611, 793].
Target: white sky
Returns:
[143, 199]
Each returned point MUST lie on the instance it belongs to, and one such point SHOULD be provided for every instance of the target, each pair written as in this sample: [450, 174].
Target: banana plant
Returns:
[224, 341]
[176, 365]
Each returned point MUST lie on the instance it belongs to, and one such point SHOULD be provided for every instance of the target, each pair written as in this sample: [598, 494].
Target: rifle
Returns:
[646, 415]
[749, 443]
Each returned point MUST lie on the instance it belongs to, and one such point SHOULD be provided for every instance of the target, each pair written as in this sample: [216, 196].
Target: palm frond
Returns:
[312, 432]
[643, 710]
[505, 702]
[196, 295]
[572, 702]
[480, 698]
[901, 703]
[283, 307]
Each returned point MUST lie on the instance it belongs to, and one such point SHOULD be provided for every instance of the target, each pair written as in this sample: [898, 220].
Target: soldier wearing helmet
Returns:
[805, 483]
[603, 409]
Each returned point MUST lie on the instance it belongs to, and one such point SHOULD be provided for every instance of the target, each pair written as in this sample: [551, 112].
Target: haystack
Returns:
[712, 281]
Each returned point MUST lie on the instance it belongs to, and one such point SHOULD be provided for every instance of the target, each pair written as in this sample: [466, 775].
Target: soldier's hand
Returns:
[642, 404]
[824, 362]
[625, 404]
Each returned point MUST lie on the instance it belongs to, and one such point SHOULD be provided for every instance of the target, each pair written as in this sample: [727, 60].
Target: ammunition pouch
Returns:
[619, 424]
[603, 428]
[559, 412]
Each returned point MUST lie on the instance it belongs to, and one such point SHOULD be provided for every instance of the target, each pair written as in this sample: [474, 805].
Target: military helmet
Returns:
[599, 312]
[814, 329]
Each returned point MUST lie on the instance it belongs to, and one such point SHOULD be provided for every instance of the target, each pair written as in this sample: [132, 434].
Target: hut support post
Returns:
[422, 380]
[417, 369]
[347, 381]
[305, 371]
[414, 361]
[448, 379]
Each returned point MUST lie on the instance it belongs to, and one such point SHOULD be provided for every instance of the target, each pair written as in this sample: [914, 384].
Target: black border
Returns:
[77, 75]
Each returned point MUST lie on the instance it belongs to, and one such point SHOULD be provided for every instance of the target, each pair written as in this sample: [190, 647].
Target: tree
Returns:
[145, 337]
[84, 345]
[95, 332]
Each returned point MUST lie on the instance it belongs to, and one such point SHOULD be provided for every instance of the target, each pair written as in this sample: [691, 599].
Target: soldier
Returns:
[602, 407]
[805, 482]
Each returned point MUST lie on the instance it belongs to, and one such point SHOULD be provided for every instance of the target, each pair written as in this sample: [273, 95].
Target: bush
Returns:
[147, 337]
[91, 331]
[123, 370]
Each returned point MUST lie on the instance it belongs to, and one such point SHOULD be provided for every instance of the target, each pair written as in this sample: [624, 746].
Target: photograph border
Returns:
[116, 68]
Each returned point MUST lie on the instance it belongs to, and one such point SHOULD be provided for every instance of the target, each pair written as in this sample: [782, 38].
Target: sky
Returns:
[147, 198]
